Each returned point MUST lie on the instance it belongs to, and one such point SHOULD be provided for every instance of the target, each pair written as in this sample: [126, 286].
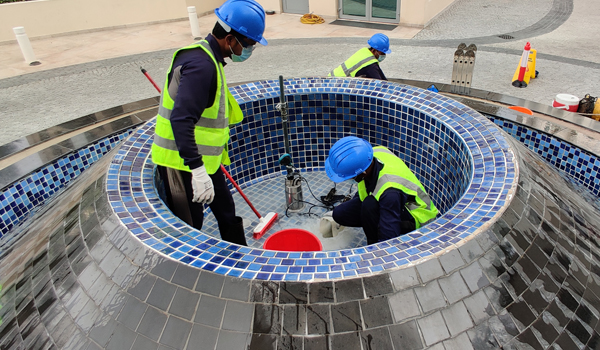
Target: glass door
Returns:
[371, 10]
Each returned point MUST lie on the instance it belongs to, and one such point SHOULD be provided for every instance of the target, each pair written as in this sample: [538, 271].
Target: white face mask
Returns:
[246, 52]
[381, 58]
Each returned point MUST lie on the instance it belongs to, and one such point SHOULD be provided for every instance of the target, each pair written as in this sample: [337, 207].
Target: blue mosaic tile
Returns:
[22, 198]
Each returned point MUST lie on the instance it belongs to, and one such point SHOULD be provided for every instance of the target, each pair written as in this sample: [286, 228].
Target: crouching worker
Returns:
[195, 112]
[390, 201]
[365, 62]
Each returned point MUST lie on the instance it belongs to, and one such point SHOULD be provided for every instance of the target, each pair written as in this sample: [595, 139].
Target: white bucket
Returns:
[567, 102]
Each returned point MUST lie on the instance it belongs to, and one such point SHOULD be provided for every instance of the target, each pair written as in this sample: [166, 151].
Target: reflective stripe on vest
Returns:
[423, 210]
[211, 131]
[360, 59]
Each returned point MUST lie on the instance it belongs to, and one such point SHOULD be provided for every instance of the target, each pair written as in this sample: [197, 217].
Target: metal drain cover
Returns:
[506, 36]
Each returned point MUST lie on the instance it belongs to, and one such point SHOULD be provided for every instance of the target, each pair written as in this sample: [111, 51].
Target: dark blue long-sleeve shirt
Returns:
[197, 76]
[372, 71]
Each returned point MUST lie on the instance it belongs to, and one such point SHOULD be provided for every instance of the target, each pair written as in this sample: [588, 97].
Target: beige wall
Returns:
[323, 8]
[271, 5]
[51, 17]
[420, 12]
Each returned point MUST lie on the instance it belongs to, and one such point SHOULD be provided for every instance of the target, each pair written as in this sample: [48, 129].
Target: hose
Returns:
[309, 18]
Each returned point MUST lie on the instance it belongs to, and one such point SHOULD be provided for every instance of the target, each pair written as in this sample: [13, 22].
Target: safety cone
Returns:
[526, 69]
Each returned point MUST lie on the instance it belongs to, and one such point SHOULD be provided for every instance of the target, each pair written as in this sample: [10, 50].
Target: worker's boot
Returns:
[235, 232]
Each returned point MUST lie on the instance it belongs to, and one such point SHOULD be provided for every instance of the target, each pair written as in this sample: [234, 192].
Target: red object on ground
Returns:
[151, 80]
[566, 102]
[293, 240]
[521, 109]
[524, 60]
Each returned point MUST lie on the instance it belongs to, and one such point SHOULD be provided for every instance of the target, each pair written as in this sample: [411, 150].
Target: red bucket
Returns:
[293, 240]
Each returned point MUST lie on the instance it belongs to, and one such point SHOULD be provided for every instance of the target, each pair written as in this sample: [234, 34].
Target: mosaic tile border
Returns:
[133, 198]
[574, 161]
[24, 197]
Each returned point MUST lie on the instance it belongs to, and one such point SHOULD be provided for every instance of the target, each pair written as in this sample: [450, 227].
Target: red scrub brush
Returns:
[264, 222]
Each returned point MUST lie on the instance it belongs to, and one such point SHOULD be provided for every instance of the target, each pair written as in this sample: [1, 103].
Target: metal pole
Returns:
[284, 116]
[25, 45]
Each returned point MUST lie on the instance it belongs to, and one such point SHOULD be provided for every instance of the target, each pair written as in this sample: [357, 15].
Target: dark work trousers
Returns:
[366, 214]
[179, 193]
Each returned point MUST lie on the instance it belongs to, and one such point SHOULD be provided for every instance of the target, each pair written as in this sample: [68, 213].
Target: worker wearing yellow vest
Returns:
[390, 200]
[194, 115]
[365, 62]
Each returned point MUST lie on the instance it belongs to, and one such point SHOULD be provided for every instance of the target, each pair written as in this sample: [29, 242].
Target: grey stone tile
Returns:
[264, 292]
[184, 303]
[103, 330]
[479, 307]
[122, 338]
[433, 328]
[185, 276]
[152, 323]
[293, 293]
[114, 301]
[429, 270]
[474, 277]
[232, 340]
[263, 342]
[141, 285]
[470, 250]
[316, 343]
[176, 333]
[430, 297]
[236, 288]
[377, 285]
[451, 261]
[238, 316]
[294, 319]
[462, 342]
[376, 338]
[345, 340]
[210, 283]
[482, 337]
[404, 305]
[165, 268]
[320, 292]
[454, 287]
[267, 319]
[124, 274]
[504, 327]
[498, 296]
[111, 261]
[457, 318]
[346, 317]
[132, 313]
[143, 343]
[405, 278]
[290, 343]
[347, 290]
[90, 346]
[161, 294]
[376, 312]
[202, 337]
[406, 336]
[210, 311]
[318, 319]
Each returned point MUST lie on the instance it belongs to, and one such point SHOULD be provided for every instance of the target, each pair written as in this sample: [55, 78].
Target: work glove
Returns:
[202, 185]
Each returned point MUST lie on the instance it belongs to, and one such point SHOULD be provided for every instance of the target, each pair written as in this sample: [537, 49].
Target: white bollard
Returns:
[25, 45]
[194, 22]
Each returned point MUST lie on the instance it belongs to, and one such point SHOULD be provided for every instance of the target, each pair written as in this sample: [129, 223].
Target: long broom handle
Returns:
[240, 191]
[222, 167]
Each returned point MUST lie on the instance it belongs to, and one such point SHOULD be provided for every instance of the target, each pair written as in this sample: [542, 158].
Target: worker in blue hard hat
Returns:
[390, 200]
[365, 62]
[195, 112]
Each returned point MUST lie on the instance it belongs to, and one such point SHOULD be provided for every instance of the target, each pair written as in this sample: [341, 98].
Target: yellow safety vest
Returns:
[211, 131]
[356, 62]
[395, 174]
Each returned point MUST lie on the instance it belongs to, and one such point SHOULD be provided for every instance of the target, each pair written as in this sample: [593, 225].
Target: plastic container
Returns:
[567, 102]
[521, 109]
[293, 240]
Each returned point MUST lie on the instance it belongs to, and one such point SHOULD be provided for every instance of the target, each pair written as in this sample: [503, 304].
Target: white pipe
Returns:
[25, 45]
[194, 22]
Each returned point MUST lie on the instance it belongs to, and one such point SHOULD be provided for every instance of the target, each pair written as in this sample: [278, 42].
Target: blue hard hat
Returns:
[349, 157]
[246, 17]
[380, 42]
